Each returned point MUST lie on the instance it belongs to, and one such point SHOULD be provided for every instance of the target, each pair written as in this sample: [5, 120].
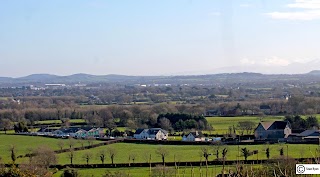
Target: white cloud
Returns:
[273, 61]
[310, 11]
[305, 4]
[304, 15]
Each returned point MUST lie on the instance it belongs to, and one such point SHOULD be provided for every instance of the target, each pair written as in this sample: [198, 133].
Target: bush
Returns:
[70, 173]
[162, 171]
[14, 172]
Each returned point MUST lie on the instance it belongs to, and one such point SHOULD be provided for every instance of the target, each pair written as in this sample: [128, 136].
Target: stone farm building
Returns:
[276, 131]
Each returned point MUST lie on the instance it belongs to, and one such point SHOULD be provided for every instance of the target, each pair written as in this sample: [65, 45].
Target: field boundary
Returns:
[175, 164]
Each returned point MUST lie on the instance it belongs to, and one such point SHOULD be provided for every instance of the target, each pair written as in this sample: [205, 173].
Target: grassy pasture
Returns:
[59, 121]
[221, 124]
[185, 152]
[144, 172]
[24, 143]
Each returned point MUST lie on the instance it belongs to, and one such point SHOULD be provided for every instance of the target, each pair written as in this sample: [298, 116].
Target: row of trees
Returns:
[42, 157]
[180, 122]
[295, 105]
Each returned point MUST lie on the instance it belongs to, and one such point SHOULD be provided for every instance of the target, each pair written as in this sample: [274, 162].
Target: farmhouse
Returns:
[308, 136]
[277, 130]
[152, 133]
[194, 136]
[78, 132]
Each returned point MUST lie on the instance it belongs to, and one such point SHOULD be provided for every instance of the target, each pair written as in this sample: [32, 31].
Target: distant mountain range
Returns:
[292, 68]
[193, 79]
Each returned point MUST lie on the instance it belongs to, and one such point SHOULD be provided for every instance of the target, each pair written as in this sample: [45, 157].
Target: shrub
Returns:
[70, 173]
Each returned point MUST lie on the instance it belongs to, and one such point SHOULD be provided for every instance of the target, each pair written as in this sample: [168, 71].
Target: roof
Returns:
[311, 137]
[276, 125]
[70, 130]
[47, 129]
[265, 107]
[75, 129]
[138, 131]
[310, 133]
[151, 131]
[154, 131]
[197, 134]
[293, 134]
[266, 125]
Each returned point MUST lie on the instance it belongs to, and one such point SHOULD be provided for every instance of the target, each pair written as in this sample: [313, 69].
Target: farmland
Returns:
[221, 124]
[59, 121]
[144, 172]
[142, 151]
[24, 143]
[186, 152]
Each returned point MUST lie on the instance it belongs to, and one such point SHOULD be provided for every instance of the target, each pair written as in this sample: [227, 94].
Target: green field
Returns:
[144, 172]
[221, 124]
[185, 152]
[59, 121]
[178, 153]
[24, 143]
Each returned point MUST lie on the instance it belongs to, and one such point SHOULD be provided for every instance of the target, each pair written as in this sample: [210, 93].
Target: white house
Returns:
[158, 134]
[152, 133]
[194, 136]
[141, 134]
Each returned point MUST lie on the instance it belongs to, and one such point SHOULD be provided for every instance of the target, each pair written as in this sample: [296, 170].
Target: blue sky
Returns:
[154, 37]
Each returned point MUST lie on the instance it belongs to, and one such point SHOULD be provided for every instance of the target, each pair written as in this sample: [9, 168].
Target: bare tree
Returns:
[44, 156]
[205, 152]
[224, 155]
[61, 144]
[246, 126]
[102, 156]
[71, 142]
[245, 152]
[132, 156]
[80, 141]
[281, 151]
[268, 152]
[65, 122]
[40, 160]
[112, 153]
[146, 156]
[163, 153]
[87, 156]
[6, 124]
[165, 123]
[71, 155]
[90, 140]
[13, 152]
[161, 170]
[216, 149]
